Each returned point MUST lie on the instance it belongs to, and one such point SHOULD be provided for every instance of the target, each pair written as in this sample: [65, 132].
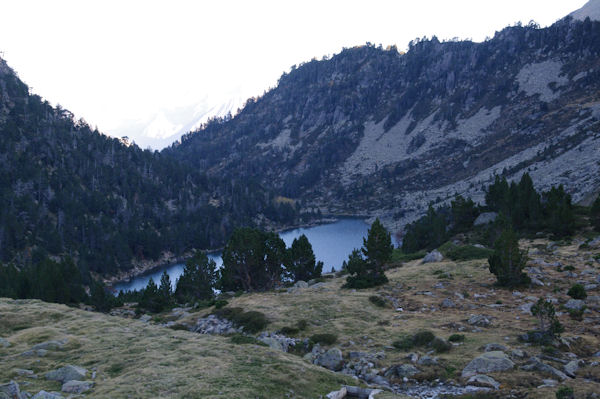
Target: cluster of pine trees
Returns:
[518, 204]
[253, 260]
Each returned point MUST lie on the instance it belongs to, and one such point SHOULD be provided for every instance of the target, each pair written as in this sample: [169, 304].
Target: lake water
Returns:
[332, 243]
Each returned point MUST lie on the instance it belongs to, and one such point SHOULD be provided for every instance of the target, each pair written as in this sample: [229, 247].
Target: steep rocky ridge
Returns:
[379, 132]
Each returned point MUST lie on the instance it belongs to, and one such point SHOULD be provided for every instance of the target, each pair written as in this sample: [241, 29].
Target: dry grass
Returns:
[137, 360]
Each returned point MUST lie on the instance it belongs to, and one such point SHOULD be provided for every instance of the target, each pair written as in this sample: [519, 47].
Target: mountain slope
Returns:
[66, 189]
[591, 10]
[375, 131]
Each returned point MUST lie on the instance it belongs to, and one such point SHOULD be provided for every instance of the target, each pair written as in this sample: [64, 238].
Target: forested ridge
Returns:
[68, 190]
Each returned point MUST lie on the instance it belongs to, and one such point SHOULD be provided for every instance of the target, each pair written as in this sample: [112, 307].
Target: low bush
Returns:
[241, 339]
[423, 338]
[289, 330]
[456, 338]
[441, 345]
[468, 252]
[404, 343]
[221, 303]
[302, 324]
[365, 281]
[378, 301]
[565, 392]
[324, 339]
[577, 291]
[252, 322]
[399, 256]
[179, 327]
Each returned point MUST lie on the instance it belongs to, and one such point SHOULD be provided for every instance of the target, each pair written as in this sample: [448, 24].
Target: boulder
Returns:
[47, 395]
[448, 303]
[488, 362]
[494, 347]
[332, 359]
[402, 370]
[571, 368]
[574, 304]
[10, 390]
[479, 320]
[4, 343]
[534, 364]
[481, 380]
[301, 284]
[433, 256]
[77, 387]
[485, 218]
[49, 345]
[67, 373]
[427, 361]
[518, 354]
[278, 341]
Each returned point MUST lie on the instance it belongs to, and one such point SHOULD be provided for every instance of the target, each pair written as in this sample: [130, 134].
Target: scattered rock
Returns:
[354, 392]
[278, 341]
[488, 362]
[494, 347]
[332, 359]
[25, 373]
[526, 307]
[536, 281]
[215, 325]
[571, 368]
[11, 390]
[32, 353]
[50, 345]
[485, 218]
[301, 284]
[479, 321]
[47, 395]
[67, 373]
[433, 256]
[145, 318]
[574, 304]
[77, 387]
[4, 343]
[481, 380]
[427, 361]
[518, 354]
[534, 364]
[448, 303]
[402, 370]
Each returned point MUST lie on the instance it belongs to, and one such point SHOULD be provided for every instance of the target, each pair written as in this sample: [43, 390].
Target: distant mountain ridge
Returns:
[373, 131]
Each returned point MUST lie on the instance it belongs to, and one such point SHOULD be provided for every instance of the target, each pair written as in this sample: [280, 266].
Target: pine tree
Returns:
[368, 271]
[165, 290]
[150, 299]
[548, 323]
[559, 212]
[301, 263]
[377, 247]
[507, 261]
[198, 279]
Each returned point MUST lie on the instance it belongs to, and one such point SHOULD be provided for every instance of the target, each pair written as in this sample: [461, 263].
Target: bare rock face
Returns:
[488, 362]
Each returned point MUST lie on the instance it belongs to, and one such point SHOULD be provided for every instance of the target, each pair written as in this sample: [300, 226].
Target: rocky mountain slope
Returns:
[116, 356]
[375, 131]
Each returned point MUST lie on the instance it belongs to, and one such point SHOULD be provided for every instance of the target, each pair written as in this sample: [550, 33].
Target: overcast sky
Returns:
[112, 61]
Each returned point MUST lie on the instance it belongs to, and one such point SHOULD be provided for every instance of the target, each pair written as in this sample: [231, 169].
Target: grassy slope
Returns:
[139, 360]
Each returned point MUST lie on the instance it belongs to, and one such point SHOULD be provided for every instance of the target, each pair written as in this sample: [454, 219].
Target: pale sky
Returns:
[113, 61]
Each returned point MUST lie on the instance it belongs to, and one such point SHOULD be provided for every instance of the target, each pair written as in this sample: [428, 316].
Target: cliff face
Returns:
[375, 131]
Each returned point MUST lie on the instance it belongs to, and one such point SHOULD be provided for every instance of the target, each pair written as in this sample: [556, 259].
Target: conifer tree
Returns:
[507, 261]
[198, 279]
[165, 290]
[301, 263]
[368, 271]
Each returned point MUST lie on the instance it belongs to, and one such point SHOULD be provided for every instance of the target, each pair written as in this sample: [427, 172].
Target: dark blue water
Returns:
[332, 243]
